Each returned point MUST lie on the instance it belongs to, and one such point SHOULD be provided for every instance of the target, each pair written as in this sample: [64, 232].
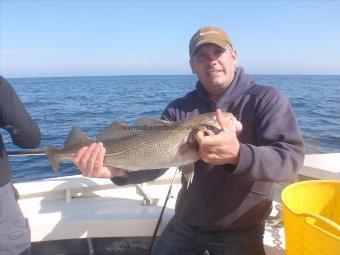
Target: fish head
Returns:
[202, 122]
[208, 121]
[187, 129]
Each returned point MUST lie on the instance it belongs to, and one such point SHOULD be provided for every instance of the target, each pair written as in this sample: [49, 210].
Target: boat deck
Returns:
[77, 207]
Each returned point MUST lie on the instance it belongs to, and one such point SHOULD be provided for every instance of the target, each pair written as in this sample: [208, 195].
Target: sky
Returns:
[89, 38]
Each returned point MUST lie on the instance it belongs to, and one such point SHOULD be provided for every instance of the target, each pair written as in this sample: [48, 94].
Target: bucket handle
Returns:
[323, 219]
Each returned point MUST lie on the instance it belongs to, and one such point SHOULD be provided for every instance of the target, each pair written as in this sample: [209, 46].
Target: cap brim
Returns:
[222, 44]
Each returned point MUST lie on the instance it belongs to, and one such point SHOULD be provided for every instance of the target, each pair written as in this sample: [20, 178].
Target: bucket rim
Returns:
[301, 183]
[293, 185]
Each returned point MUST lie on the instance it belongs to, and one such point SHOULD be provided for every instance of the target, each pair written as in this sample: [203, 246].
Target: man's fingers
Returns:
[219, 118]
[92, 159]
[79, 154]
[86, 155]
[200, 136]
[225, 123]
[228, 123]
[238, 127]
[100, 158]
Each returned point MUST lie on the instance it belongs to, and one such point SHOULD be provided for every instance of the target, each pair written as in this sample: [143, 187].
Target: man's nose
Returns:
[212, 60]
[211, 57]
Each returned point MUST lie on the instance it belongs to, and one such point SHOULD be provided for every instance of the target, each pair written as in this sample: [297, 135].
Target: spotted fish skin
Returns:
[150, 144]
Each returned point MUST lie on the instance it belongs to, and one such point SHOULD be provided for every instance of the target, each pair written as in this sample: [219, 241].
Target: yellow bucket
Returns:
[311, 217]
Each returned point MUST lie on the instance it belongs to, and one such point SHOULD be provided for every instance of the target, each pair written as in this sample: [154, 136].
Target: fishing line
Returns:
[161, 214]
[23, 153]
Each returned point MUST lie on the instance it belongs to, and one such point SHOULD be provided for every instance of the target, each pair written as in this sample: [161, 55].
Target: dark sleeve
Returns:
[24, 132]
[280, 150]
[139, 176]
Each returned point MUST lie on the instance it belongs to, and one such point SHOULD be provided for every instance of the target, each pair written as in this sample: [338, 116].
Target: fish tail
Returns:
[53, 157]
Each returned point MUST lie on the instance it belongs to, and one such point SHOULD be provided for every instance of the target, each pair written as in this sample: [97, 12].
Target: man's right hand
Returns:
[90, 161]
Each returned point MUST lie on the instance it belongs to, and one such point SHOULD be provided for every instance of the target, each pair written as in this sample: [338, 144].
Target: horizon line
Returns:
[120, 75]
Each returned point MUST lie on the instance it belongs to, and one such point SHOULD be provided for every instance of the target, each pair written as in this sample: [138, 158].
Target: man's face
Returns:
[214, 66]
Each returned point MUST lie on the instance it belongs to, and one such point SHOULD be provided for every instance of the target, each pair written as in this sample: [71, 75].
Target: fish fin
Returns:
[191, 141]
[188, 173]
[115, 131]
[75, 137]
[53, 157]
[147, 123]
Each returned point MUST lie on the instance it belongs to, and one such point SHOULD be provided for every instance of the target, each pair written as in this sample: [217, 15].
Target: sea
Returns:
[92, 103]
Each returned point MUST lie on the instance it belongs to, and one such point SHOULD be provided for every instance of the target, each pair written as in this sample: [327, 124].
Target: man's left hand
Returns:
[222, 148]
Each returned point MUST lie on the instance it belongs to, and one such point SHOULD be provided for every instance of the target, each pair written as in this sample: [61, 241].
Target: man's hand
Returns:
[222, 148]
[90, 161]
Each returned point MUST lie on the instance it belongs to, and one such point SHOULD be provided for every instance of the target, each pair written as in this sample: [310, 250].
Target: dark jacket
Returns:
[14, 118]
[229, 197]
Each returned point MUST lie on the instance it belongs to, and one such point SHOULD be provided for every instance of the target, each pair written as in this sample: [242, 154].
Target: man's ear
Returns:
[234, 56]
[192, 65]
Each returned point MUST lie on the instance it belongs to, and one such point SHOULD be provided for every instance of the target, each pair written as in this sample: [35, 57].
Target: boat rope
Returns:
[275, 223]
[276, 220]
[161, 215]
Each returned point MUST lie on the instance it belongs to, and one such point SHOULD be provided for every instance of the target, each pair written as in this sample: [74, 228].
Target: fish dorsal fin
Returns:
[75, 137]
[147, 123]
[188, 173]
[115, 131]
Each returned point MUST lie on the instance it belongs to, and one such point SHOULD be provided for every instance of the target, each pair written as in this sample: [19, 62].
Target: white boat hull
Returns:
[78, 207]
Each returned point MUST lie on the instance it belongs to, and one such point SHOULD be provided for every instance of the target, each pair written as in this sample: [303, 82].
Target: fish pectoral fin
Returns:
[188, 173]
[75, 137]
[115, 131]
[147, 123]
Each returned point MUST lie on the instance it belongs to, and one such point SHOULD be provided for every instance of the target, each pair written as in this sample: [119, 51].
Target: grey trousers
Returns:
[15, 236]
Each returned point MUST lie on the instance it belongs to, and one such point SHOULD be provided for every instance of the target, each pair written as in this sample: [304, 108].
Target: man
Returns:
[15, 235]
[224, 210]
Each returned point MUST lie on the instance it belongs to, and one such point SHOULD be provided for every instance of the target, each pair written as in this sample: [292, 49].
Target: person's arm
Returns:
[24, 132]
[279, 151]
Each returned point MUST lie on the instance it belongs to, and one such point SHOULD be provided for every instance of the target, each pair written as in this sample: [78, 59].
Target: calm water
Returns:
[92, 103]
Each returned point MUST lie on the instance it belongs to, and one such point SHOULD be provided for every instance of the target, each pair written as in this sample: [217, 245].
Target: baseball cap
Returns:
[209, 34]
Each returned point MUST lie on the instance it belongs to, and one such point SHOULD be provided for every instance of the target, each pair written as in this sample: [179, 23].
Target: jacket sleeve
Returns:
[279, 152]
[24, 132]
[144, 175]
[139, 177]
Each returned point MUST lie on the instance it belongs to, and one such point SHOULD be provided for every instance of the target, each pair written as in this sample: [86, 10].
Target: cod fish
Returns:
[150, 144]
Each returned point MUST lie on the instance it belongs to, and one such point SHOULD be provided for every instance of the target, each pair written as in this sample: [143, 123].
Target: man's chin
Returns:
[215, 87]
[216, 83]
